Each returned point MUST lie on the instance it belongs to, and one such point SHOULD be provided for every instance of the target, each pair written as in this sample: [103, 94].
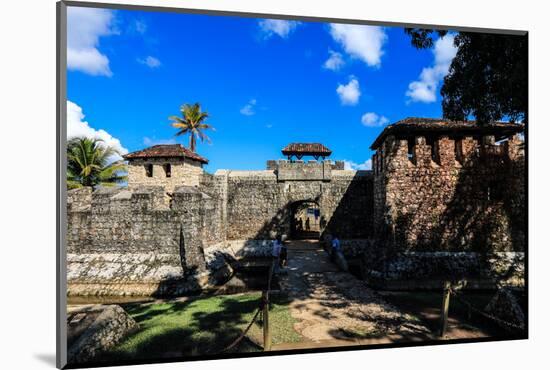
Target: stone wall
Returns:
[300, 170]
[258, 206]
[139, 241]
[427, 270]
[464, 196]
[131, 236]
[183, 172]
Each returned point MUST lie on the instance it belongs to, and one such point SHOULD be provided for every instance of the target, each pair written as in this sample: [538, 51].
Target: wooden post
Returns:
[267, 329]
[445, 307]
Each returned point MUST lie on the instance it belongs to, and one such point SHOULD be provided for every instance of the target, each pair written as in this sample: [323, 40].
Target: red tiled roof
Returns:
[306, 149]
[440, 126]
[166, 151]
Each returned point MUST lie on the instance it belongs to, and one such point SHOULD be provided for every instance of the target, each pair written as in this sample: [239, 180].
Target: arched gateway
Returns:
[281, 199]
[306, 221]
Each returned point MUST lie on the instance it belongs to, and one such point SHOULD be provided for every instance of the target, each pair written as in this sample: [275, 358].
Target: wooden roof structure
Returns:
[165, 151]
[415, 126]
[300, 150]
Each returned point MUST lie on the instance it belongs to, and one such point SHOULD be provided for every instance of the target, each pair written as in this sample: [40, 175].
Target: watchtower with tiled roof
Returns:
[165, 165]
[299, 150]
[294, 168]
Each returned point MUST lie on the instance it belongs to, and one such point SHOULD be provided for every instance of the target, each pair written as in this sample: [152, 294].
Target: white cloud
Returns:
[334, 62]
[349, 94]
[150, 62]
[350, 165]
[140, 27]
[282, 28]
[84, 28]
[77, 127]
[372, 119]
[248, 109]
[424, 89]
[147, 141]
[362, 42]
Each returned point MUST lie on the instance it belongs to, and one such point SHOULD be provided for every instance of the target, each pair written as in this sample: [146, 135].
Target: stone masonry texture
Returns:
[459, 194]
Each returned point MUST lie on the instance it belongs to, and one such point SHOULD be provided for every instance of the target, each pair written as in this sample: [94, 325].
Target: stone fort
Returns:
[442, 199]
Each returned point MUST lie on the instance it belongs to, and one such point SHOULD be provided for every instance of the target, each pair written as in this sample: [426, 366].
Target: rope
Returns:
[236, 341]
[483, 313]
[264, 301]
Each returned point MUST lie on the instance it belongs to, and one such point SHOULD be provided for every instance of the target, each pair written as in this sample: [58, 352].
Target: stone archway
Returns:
[306, 221]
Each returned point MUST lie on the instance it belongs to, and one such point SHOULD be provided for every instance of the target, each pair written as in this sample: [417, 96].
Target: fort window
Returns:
[494, 192]
[149, 170]
[458, 150]
[168, 169]
[410, 150]
[432, 143]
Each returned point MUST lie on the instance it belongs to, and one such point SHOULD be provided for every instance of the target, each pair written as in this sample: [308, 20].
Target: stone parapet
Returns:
[304, 171]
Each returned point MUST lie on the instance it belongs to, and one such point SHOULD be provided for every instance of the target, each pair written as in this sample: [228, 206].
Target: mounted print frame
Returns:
[236, 184]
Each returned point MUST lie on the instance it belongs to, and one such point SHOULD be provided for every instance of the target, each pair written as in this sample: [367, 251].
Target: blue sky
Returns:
[265, 83]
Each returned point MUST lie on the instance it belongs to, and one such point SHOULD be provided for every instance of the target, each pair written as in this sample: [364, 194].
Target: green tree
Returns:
[192, 123]
[88, 164]
[487, 78]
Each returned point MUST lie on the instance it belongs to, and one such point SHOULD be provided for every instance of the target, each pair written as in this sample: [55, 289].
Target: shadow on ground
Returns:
[185, 328]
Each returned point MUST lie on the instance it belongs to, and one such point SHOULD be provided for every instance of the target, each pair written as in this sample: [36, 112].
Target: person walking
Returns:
[276, 252]
[335, 247]
[283, 255]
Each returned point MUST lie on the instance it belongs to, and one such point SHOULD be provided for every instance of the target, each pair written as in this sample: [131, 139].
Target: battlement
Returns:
[443, 151]
[140, 198]
[425, 180]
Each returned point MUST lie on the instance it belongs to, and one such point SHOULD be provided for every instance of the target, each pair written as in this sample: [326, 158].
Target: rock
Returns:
[96, 329]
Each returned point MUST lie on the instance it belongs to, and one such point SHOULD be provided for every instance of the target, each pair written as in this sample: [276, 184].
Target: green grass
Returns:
[200, 326]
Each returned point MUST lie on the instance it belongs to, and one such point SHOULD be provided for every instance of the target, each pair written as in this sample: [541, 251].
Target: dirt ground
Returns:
[335, 308]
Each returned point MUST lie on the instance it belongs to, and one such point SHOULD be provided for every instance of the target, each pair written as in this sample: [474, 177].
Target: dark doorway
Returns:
[305, 220]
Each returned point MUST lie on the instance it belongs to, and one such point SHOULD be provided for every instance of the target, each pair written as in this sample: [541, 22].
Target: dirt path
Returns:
[335, 308]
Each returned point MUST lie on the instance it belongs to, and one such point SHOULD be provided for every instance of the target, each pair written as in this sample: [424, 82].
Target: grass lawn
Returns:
[200, 326]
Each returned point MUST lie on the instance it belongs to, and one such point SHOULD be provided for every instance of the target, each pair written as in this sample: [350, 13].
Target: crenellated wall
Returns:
[146, 240]
[424, 195]
[459, 194]
[121, 237]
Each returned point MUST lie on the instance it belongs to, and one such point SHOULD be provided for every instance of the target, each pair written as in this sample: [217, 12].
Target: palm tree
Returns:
[88, 164]
[192, 123]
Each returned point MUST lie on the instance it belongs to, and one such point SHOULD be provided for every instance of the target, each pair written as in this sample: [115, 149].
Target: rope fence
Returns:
[262, 307]
[460, 297]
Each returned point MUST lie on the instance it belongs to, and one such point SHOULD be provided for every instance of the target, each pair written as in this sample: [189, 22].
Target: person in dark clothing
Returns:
[335, 247]
[283, 256]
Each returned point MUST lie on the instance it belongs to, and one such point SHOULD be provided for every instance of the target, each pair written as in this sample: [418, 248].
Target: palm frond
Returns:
[192, 123]
[88, 163]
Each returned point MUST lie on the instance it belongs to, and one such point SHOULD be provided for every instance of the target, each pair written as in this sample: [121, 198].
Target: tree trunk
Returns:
[192, 142]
